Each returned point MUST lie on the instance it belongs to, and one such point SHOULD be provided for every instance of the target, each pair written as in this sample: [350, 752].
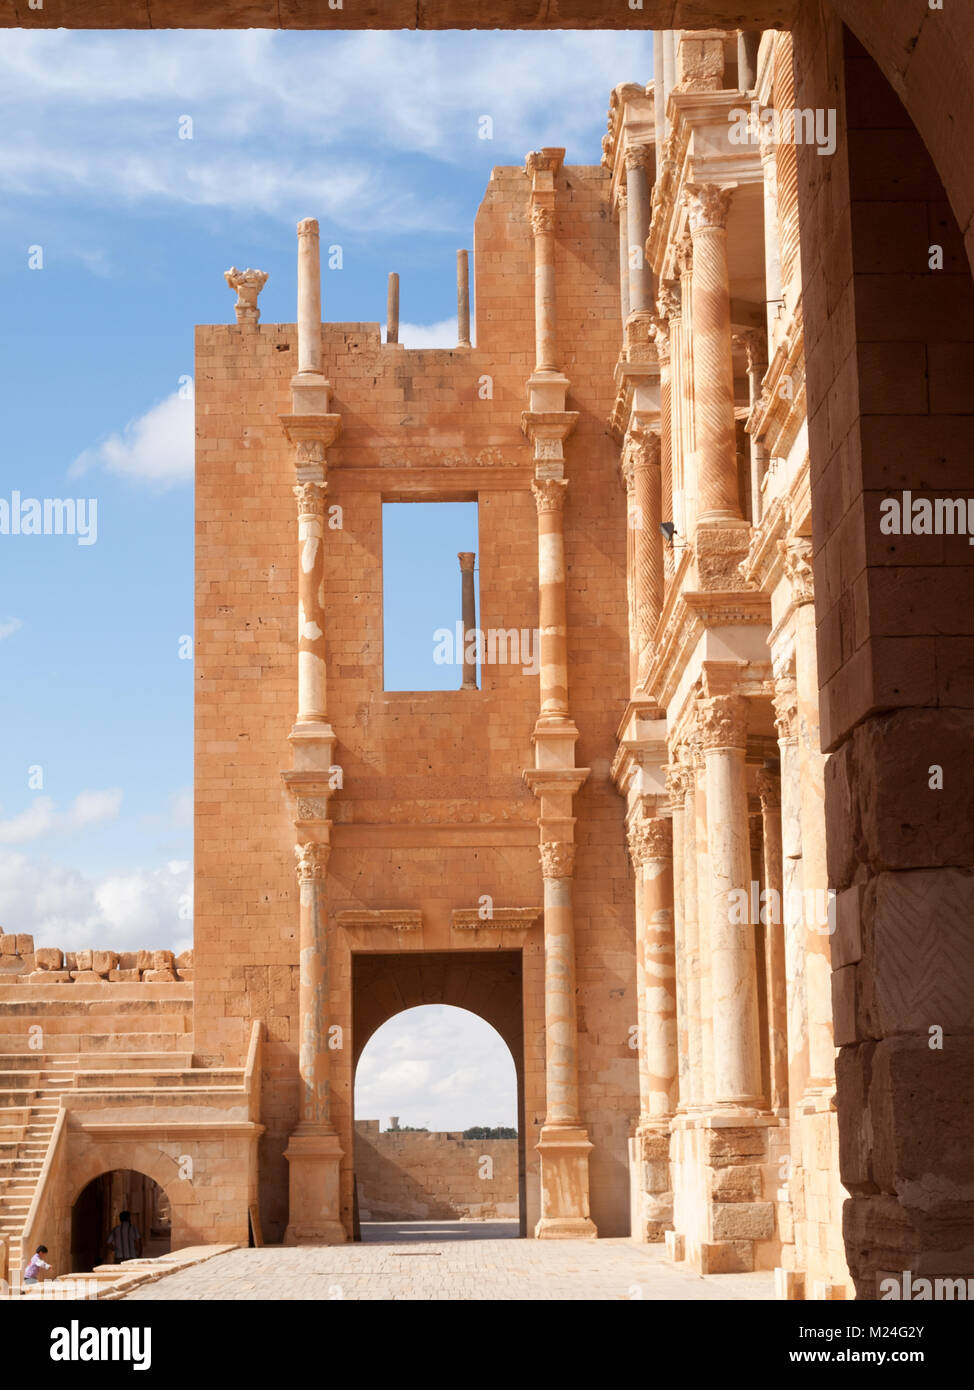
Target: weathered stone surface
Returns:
[743, 1220]
[104, 961]
[738, 1184]
[158, 976]
[48, 958]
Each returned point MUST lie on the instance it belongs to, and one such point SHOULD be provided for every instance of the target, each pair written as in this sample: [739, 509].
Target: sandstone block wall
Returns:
[434, 1176]
[20, 963]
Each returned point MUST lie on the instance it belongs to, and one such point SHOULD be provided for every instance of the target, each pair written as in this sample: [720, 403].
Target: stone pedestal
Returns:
[564, 1151]
[314, 1159]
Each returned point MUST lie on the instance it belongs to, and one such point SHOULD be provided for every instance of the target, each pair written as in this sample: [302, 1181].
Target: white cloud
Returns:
[145, 909]
[429, 335]
[156, 448]
[437, 1066]
[43, 818]
[99, 115]
[8, 628]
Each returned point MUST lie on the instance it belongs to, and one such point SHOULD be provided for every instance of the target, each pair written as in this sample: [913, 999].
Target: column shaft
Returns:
[463, 299]
[543, 225]
[313, 988]
[550, 497]
[637, 211]
[561, 1026]
[716, 435]
[309, 297]
[311, 617]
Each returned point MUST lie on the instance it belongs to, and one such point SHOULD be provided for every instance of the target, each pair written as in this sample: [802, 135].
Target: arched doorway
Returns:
[98, 1207]
[483, 989]
[446, 1148]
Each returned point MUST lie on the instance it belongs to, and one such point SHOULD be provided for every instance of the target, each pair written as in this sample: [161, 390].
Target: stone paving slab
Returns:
[464, 1270]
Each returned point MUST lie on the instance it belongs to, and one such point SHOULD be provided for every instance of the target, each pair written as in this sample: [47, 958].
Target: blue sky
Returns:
[114, 236]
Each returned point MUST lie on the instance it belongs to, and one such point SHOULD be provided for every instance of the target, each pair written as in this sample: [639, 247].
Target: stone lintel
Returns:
[395, 919]
[500, 919]
[545, 780]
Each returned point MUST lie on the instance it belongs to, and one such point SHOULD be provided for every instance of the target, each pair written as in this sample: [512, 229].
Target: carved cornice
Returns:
[547, 161]
[722, 722]
[650, 839]
[312, 860]
[499, 919]
[557, 858]
[396, 919]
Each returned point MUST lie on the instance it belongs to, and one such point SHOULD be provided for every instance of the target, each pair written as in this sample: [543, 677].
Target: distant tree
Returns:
[490, 1132]
[410, 1129]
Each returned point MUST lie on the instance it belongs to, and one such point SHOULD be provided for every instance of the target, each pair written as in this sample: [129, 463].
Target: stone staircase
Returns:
[109, 1046]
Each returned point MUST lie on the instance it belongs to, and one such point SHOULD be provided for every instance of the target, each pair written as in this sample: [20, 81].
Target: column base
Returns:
[723, 1208]
[650, 1184]
[719, 547]
[314, 1193]
[564, 1154]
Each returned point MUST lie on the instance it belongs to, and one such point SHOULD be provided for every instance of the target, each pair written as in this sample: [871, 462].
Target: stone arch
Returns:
[91, 1220]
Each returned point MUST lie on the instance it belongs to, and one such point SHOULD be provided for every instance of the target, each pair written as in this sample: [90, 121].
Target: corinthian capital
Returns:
[557, 858]
[796, 553]
[769, 788]
[708, 205]
[722, 721]
[650, 838]
[549, 493]
[542, 219]
[644, 446]
[638, 156]
[668, 301]
[310, 498]
[312, 860]
[785, 700]
[679, 778]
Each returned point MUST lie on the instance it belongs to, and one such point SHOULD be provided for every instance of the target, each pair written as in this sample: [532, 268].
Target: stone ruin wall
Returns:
[420, 1175]
[22, 964]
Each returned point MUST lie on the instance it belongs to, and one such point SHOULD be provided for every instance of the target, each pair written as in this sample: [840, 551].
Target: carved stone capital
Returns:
[669, 302]
[769, 788]
[650, 838]
[785, 700]
[311, 498]
[638, 156]
[549, 494]
[622, 199]
[248, 285]
[708, 205]
[722, 721]
[544, 161]
[644, 447]
[796, 554]
[754, 343]
[557, 858]
[312, 860]
[684, 255]
[679, 780]
[542, 219]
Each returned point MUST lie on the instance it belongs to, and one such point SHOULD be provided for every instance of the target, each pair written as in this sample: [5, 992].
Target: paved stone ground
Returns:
[435, 1260]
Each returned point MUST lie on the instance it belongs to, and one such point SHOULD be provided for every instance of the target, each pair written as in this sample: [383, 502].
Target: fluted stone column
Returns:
[313, 1153]
[737, 1053]
[638, 214]
[769, 791]
[717, 490]
[645, 452]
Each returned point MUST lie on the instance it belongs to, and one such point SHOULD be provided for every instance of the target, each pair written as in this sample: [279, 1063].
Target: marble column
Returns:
[468, 608]
[716, 438]
[309, 298]
[818, 915]
[675, 794]
[644, 447]
[683, 393]
[392, 308]
[638, 213]
[549, 495]
[769, 791]
[311, 498]
[314, 1154]
[737, 1053]
[755, 348]
[691, 933]
[463, 299]
[628, 472]
[772, 251]
[564, 1145]
[543, 227]
[786, 719]
[667, 306]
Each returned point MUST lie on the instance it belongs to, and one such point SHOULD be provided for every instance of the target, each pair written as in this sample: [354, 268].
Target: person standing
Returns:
[125, 1239]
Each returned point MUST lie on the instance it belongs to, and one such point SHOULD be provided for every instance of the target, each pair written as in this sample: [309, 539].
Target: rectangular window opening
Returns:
[426, 547]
